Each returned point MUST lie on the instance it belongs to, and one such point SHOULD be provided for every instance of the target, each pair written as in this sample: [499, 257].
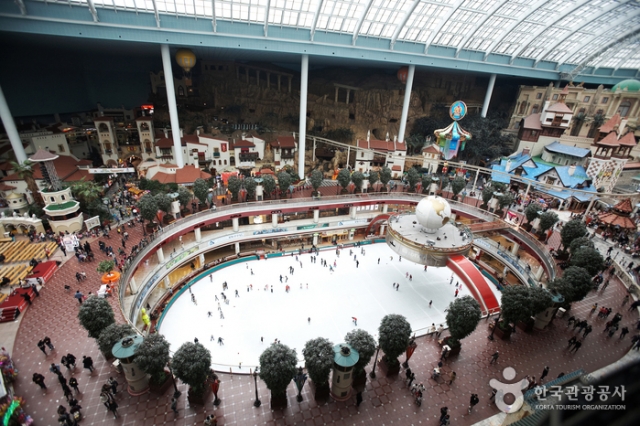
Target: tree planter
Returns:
[198, 398]
[278, 401]
[527, 227]
[161, 388]
[525, 326]
[501, 333]
[455, 349]
[562, 255]
[320, 393]
[150, 228]
[389, 370]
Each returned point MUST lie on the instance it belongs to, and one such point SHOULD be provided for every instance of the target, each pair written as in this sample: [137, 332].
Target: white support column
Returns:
[10, 128]
[383, 228]
[348, 155]
[487, 96]
[201, 258]
[526, 193]
[167, 282]
[160, 254]
[132, 285]
[313, 154]
[352, 212]
[274, 220]
[586, 213]
[171, 104]
[315, 239]
[515, 248]
[302, 131]
[348, 93]
[385, 208]
[237, 248]
[198, 234]
[316, 216]
[236, 224]
[475, 180]
[407, 101]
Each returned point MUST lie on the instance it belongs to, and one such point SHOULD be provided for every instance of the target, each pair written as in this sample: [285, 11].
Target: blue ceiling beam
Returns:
[61, 20]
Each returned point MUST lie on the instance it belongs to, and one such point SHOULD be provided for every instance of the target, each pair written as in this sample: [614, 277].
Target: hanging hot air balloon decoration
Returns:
[453, 138]
[187, 60]
[402, 74]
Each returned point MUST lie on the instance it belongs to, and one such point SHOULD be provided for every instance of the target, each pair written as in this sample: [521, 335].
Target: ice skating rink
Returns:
[329, 299]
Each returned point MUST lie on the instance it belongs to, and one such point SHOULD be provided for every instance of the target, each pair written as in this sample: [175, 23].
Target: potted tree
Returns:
[268, 184]
[504, 201]
[112, 335]
[318, 358]
[250, 185]
[487, 195]
[344, 179]
[394, 332]
[277, 369]
[316, 181]
[284, 182]
[201, 191]
[365, 344]
[152, 357]
[374, 177]
[457, 185]
[184, 197]
[357, 178]
[588, 258]
[385, 177]
[412, 177]
[234, 185]
[531, 212]
[572, 230]
[516, 307]
[191, 364]
[574, 284]
[164, 205]
[95, 315]
[547, 220]
[541, 301]
[148, 207]
[427, 181]
[105, 267]
[462, 318]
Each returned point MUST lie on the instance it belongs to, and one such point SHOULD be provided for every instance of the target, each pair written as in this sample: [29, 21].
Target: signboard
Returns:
[70, 242]
[92, 222]
[112, 170]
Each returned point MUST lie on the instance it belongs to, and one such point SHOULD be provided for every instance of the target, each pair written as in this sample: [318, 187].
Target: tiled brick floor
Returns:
[386, 400]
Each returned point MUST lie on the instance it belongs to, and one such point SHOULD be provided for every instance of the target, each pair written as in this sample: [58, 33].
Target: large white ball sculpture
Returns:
[433, 213]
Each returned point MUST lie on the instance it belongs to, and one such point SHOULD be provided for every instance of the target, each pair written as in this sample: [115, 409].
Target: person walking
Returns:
[113, 384]
[71, 360]
[79, 296]
[624, 332]
[73, 382]
[452, 377]
[87, 363]
[544, 373]
[576, 346]
[47, 341]
[588, 329]
[473, 401]
[443, 412]
[42, 347]
[220, 341]
[38, 379]
[174, 406]
[494, 357]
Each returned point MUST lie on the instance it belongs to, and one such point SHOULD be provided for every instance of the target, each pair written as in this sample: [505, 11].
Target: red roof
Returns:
[532, 122]
[560, 107]
[284, 142]
[431, 149]
[628, 139]
[624, 206]
[5, 187]
[79, 175]
[614, 219]
[164, 143]
[613, 122]
[65, 165]
[244, 144]
[378, 145]
[610, 140]
[42, 155]
[186, 175]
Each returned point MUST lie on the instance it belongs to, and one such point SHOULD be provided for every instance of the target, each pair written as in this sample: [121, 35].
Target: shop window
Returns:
[586, 99]
[605, 99]
[555, 97]
[538, 95]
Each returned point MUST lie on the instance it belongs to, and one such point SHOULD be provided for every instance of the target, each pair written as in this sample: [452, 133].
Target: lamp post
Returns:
[176, 393]
[257, 402]
[490, 337]
[300, 379]
[375, 361]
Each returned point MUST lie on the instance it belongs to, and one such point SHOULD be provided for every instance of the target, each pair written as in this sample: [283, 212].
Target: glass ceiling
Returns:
[598, 33]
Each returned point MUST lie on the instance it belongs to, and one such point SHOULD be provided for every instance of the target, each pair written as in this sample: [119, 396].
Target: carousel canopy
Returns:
[619, 215]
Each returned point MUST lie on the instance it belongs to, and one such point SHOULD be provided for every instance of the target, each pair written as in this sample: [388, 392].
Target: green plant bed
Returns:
[389, 369]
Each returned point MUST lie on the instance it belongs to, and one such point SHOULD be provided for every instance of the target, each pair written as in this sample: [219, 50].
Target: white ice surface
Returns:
[331, 300]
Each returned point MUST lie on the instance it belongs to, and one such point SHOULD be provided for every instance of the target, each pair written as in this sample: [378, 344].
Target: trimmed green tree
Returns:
[547, 220]
[250, 185]
[268, 184]
[427, 181]
[532, 211]
[95, 315]
[412, 177]
[574, 284]
[357, 178]
[184, 197]
[374, 177]
[580, 242]
[191, 364]
[112, 335]
[462, 318]
[589, 259]
[394, 332]
[163, 201]
[316, 180]
[201, 190]
[487, 195]
[457, 185]
[365, 344]
[571, 230]
[505, 201]
[234, 185]
[106, 266]
[152, 357]
[148, 207]
[318, 359]
[284, 182]
[540, 300]
[385, 177]
[277, 368]
[344, 179]
[520, 303]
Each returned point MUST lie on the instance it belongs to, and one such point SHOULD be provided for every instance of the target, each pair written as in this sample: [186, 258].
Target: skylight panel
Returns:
[296, 13]
[422, 22]
[340, 15]
[384, 16]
